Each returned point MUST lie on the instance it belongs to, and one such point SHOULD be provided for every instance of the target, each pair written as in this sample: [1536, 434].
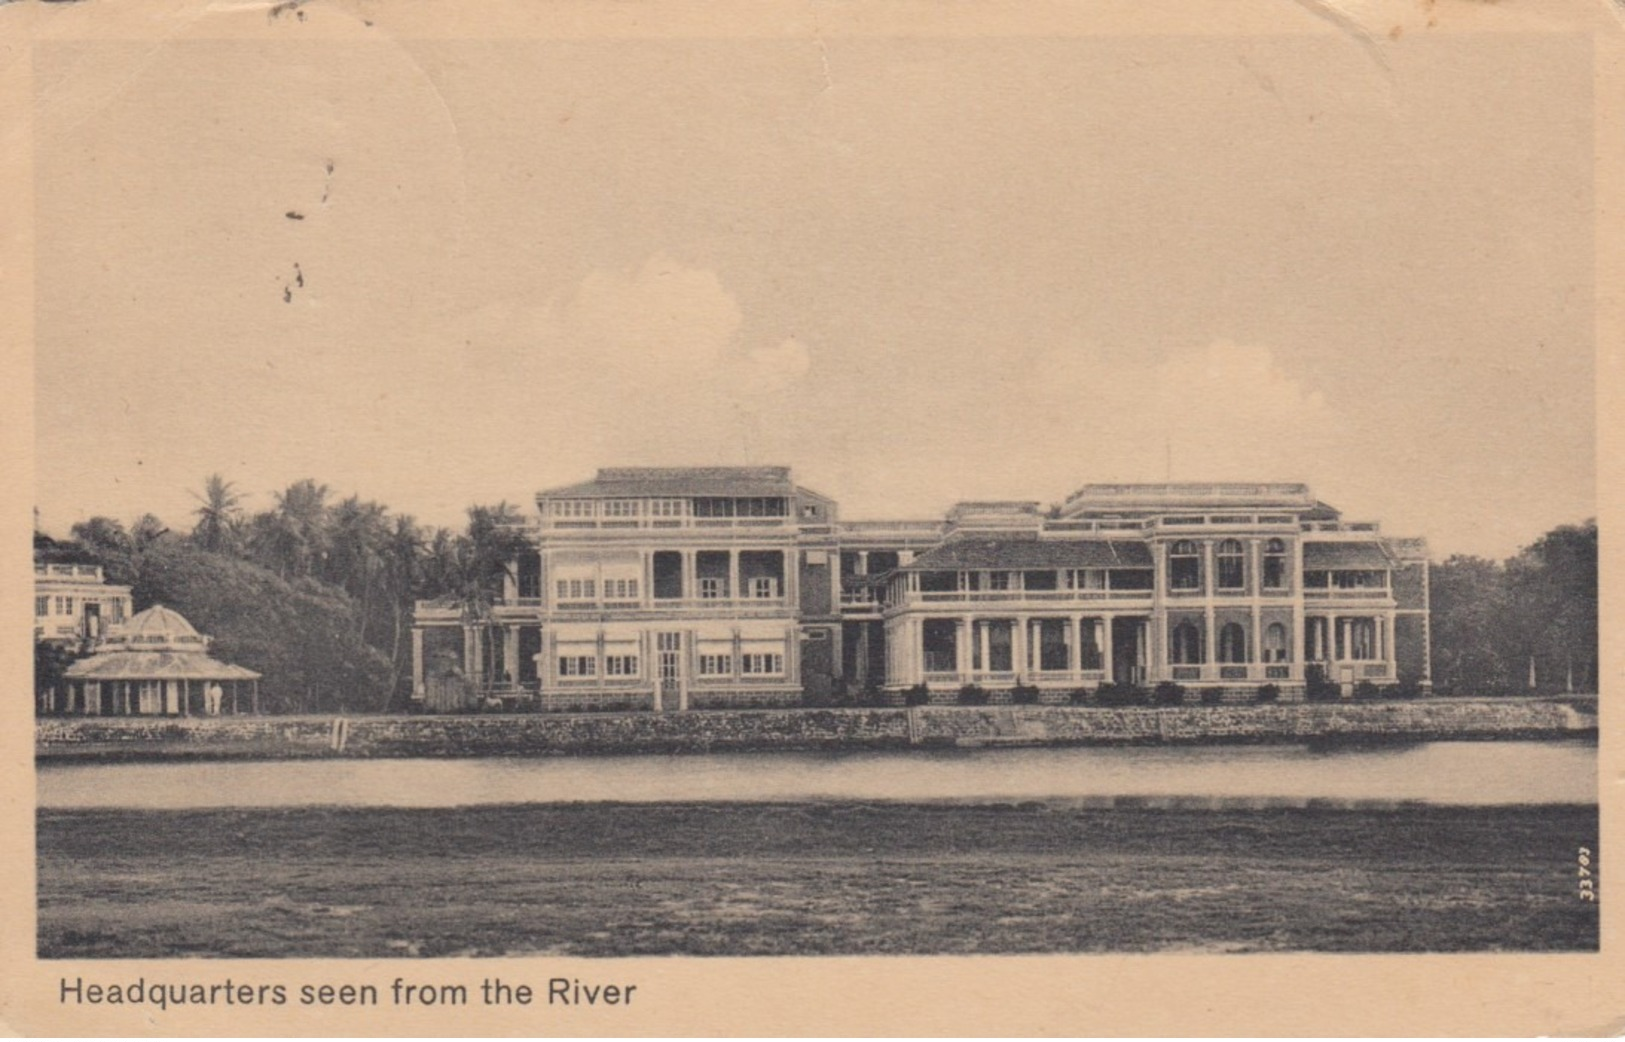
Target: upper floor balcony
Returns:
[655, 523]
[77, 573]
[1037, 598]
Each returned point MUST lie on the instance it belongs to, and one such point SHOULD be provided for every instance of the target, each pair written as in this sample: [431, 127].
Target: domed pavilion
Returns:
[156, 664]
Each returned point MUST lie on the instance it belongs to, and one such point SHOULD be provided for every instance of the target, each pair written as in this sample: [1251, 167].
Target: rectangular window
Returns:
[713, 589]
[998, 580]
[713, 506]
[577, 589]
[42, 605]
[620, 589]
[665, 508]
[716, 665]
[578, 666]
[621, 508]
[761, 664]
[939, 645]
[67, 603]
[573, 508]
[764, 589]
[620, 665]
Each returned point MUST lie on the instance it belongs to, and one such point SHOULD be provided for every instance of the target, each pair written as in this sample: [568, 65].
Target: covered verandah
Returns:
[156, 683]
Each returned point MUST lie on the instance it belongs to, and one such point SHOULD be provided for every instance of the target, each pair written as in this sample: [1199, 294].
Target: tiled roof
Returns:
[636, 482]
[1324, 556]
[1037, 554]
[155, 665]
[1182, 494]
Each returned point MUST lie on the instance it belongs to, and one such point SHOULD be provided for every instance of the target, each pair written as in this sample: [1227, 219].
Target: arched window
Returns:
[1185, 645]
[1231, 561]
[1275, 642]
[1232, 643]
[1185, 566]
[1275, 564]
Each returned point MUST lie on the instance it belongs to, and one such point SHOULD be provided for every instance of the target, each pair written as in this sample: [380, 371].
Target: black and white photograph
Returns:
[540, 502]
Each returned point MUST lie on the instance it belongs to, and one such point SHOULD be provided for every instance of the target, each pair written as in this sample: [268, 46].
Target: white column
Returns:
[1074, 650]
[1105, 629]
[1210, 650]
[1294, 578]
[734, 592]
[962, 654]
[417, 660]
[510, 653]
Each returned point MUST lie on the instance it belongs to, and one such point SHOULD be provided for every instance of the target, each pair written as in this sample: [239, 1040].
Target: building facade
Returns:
[680, 588]
[74, 606]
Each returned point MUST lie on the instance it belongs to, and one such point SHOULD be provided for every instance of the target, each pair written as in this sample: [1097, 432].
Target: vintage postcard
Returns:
[811, 517]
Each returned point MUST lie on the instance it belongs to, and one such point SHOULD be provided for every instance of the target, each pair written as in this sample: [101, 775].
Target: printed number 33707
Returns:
[1588, 884]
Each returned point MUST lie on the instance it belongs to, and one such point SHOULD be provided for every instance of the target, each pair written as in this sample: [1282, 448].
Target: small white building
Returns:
[156, 664]
[74, 606]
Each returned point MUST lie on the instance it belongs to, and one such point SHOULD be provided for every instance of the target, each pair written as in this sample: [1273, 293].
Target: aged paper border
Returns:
[1042, 995]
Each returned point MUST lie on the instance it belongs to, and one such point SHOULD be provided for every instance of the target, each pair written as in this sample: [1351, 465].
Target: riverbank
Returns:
[827, 878]
[95, 739]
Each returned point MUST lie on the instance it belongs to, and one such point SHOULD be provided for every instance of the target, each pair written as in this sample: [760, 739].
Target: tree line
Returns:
[1529, 622]
[317, 593]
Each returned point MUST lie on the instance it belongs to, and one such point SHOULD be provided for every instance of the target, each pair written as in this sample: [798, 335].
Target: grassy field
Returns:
[808, 879]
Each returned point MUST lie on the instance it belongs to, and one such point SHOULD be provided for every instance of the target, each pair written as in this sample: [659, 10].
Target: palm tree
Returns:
[403, 571]
[296, 537]
[219, 515]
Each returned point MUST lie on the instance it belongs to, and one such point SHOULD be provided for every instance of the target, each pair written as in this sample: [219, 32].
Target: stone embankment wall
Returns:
[801, 729]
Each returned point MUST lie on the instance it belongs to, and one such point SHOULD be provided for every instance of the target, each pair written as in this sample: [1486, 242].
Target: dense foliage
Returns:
[314, 594]
[1528, 622]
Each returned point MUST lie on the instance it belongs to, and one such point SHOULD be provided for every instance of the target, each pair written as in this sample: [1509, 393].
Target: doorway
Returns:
[1128, 650]
[669, 665]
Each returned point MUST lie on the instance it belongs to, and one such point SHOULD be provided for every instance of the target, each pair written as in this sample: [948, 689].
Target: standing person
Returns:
[211, 698]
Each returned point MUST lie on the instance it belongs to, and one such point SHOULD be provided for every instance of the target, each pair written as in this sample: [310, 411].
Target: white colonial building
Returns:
[677, 588]
[74, 606]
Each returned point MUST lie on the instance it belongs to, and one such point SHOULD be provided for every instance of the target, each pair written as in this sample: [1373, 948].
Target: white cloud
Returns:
[663, 321]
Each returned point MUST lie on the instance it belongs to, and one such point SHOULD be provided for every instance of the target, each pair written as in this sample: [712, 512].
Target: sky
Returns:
[438, 273]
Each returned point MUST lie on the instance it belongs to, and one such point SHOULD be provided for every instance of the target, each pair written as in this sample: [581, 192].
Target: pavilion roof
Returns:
[155, 665]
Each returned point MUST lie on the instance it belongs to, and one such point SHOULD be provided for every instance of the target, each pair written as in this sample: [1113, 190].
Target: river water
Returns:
[1465, 773]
